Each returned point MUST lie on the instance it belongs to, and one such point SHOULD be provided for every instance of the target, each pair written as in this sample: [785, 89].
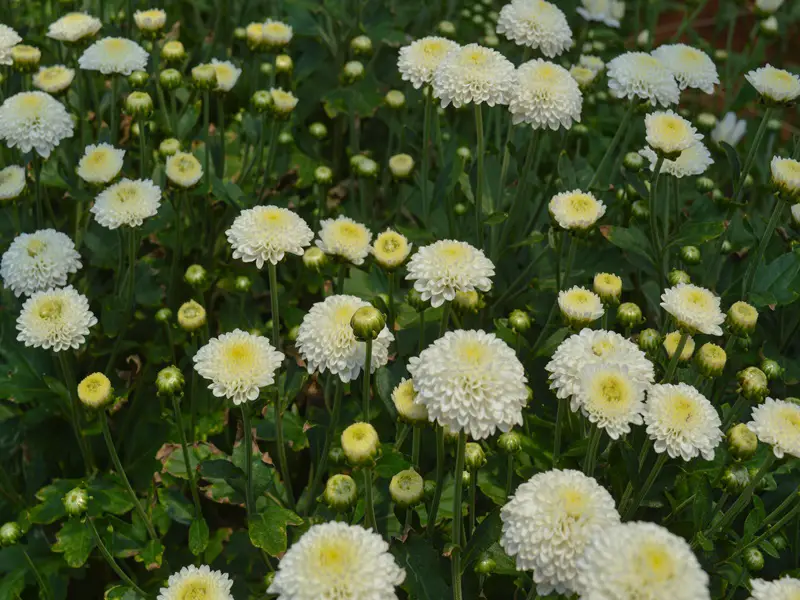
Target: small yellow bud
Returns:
[671, 346]
[360, 443]
[407, 488]
[95, 391]
[408, 410]
[191, 316]
[341, 493]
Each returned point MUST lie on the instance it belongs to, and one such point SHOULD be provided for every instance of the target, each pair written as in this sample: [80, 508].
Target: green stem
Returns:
[176, 408]
[112, 563]
[342, 272]
[42, 585]
[416, 445]
[522, 186]
[390, 277]
[655, 239]
[777, 527]
[143, 146]
[74, 411]
[275, 305]
[250, 503]
[751, 156]
[737, 407]
[573, 248]
[780, 205]
[112, 121]
[685, 23]
[271, 151]
[591, 452]
[440, 470]
[509, 475]
[207, 138]
[457, 516]
[112, 451]
[561, 413]
[473, 485]
[369, 507]
[37, 186]
[366, 390]
[426, 142]
[330, 432]
[673, 362]
[445, 318]
[613, 146]
[221, 126]
[479, 183]
[648, 483]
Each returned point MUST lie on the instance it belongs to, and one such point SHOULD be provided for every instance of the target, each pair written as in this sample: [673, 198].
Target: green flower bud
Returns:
[774, 125]
[204, 77]
[170, 382]
[361, 45]
[407, 488]
[163, 315]
[336, 456]
[677, 276]
[742, 442]
[95, 391]
[76, 501]
[415, 300]
[460, 209]
[366, 168]
[490, 40]
[353, 71]
[191, 316]
[706, 122]
[341, 493]
[608, 286]
[26, 58]
[690, 255]
[769, 28]
[640, 210]
[464, 153]
[266, 68]
[629, 314]
[323, 175]
[510, 442]
[485, 566]
[718, 197]
[580, 130]
[261, 100]
[429, 488]
[779, 542]
[633, 161]
[748, 181]
[196, 276]
[753, 384]
[169, 147]
[446, 28]
[395, 99]
[474, 457]
[704, 184]
[711, 360]
[726, 247]
[138, 79]
[360, 444]
[292, 334]
[753, 559]
[720, 55]
[519, 321]
[367, 322]
[735, 479]
[772, 369]
[649, 340]
[170, 79]
[139, 104]
[318, 131]
[240, 33]
[467, 302]
[315, 259]
[173, 52]
[401, 166]
[285, 138]
[284, 63]
[10, 533]
[466, 478]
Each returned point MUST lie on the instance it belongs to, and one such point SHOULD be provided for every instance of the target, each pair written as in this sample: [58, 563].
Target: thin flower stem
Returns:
[751, 155]
[437, 492]
[114, 128]
[37, 188]
[207, 138]
[673, 362]
[176, 408]
[74, 411]
[771, 531]
[221, 126]
[479, 183]
[648, 483]
[390, 276]
[271, 151]
[112, 451]
[473, 485]
[111, 562]
[250, 503]
[457, 516]
[591, 453]
[655, 239]
[342, 272]
[596, 178]
[42, 584]
[330, 433]
[369, 507]
[522, 187]
[143, 145]
[426, 143]
[509, 474]
[685, 23]
[749, 277]
[366, 390]
[737, 407]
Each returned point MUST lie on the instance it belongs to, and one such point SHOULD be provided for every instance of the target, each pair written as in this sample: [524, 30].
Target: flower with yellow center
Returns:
[638, 561]
[391, 249]
[53, 80]
[545, 96]
[682, 422]
[100, 163]
[57, 319]
[786, 175]
[227, 74]
[785, 588]
[12, 182]
[742, 318]
[640, 75]
[611, 398]
[775, 85]
[608, 286]
[401, 166]
[474, 74]
[8, 40]
[114, 55]
[418, 61]
[183, 170]
[576, 210]
[696, 309]
[38, 261]
[128, 202]
[34, 121]
[283, 102]
[73, 27]
[360, 443]
[579, 306]
[671, 342]
[345, 238]
[275, 34]
[265, 234]
[408, 409]
[695, 160]
[95, 391]
[692, 68]
[669, 134]
[238, 364]
[536, 24]
[777, 423]
[337, 561]
[197, 583]
[150, 21]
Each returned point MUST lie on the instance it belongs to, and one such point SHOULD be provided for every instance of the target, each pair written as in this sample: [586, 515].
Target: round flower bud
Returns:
[640, 210]
[407, 488]
[769, 27]
[467, 302]
[26, 58]
[366, 167]
[510, 442]
[169, 147]
[735, 479]
[719, 197]
[314, 259]
[341, 493]
[361, 45]
[753, 559]
[429, 488]
[95, 391]
[138, 79]
[690, 255]
[204, 77]
[742, 442]
[474, 456]
[706, 122]
[170, 79]
[519, 321]
[367, 322]
[173, 52]
[608, 286]
[711, 360]
[490, 40]
[163, 315]
[395, 99]
[401, 166]
[774, 125]
[796, 215]
[704, 185]
[580, 130]
[753, 384]
[191, 316]
[254, 34]
[360, 444]
[633, 161]
[10, 533]
[446, 28]
[486, 565]
[336, 456]
[318, 131]
[676, 276]
[292, 334]
[720, 55]
[353, 71]
[772, 369]
[726, 248]
[649, 340]
[742, 318]
[169, 382]
[748, 181]
[76, 501]
[240, 33]
[323, 175]
[284, 63]
[779, 542]
[285, 138]
[466, 478]
[266, 68]
[671, 342]
[139, 104]
[464, 153]
[283, 103]
[242, 284]
[408, 410]
[415, 301]
[460, 209]
[630, 315]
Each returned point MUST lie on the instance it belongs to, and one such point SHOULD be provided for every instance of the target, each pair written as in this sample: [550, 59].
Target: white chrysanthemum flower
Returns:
[637, 561]
[640, 75]
[611, 398]
[786, 174]
[695, 160]
[470, 381]
[128, 202]
[576, 209]
[100, 163]
[536, 24]
[73, 27]
[345, 238]
[238, 364]
[276, 34]
[594, 63]
[694, 308]
[266, 233]
[692, 68]
[441, 269]
[114, 55]
[418, 61]
[669, 133]
[8, 39]
[53, 79]
[150, 20]
[768, 6]
[327, 343]
[337, 560]
[12, 182]
[785, 588]
[227, 74]
[595, 347]
[34, 121]
[729, 130]
[548, 523]
[38, 261]
[777, 422]
[682, 422]
[545, 96]
[608, 12]
[580, 306]
[474, 74]
[56, 319]
[774, 84]
[197, 582]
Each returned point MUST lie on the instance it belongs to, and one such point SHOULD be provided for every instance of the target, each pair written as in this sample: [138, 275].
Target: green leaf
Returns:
[268, 528]
[566, 171]
[52, 507]
[294, 429]
[198, 536]
[75, 541]
[422, 563]
[486, 534]
[390, 462]
[778, 282]
[12, 584]
[637, 184]
[151, 556]
[694, 234]
[495, 219]
[733, 160]
[628, 239]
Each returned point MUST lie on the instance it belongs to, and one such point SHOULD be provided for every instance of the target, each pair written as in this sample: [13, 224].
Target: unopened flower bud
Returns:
[261, 100]
[139, 104]
[361, 45]
[676, 276]
[353, 71]
[753, 559]
[649, 340]
[170, 79]
[315, 259]
[742, 442]
[366, 167]
[283, 103]
[633, 161]
[580, 130]
[336, 456]
[401, 166]
[285, 138]
[360, 444]
[753, 384]
[706, 122]
[710, 360]
[704, 184]
[409, 411]
[284, 63]
[510, 442]
[429, 489]
[10, 533]
[742, 318]
[395, 99]
[519, 321]
[243, 283]
[254, 34]
[720, 55]
[630, 315]
[95, 391]
[138, 79]
[204, 77]
[240, 33]
[163, 315]
[486, 565]
[196, 276]
[367, 322]
[671, 342]
[318, 131]
[169, 382]
[446, 28]
[474, 456]
[774, 125]
[769, 27]
[608, 286]
[76, 501]
[779, 542]
[26, 58]
[173, 52]
[191, 316]
[467, 302]
[169, 147]
[407, 488]
[266, 68]
[772, 369]
[415, 301]
[341, 493]
[464, 153]
[735, 479]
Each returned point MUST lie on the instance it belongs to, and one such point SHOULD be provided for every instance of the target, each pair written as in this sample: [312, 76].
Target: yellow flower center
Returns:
[452, 253]
[547, 72]
[611, 389]
[433, 48]
[691, 55]
[126, 193]
[272, 217]
[239, 356]
[115, 46]
[649, 62]
[98, 158]
[334, 556]
[792, 419]
[35, 247]
[51, 309]
[783, 76]
[151, 14]
[31, 105]
[94, 387]
[194, 590]
[472, 352]
[602, 347]
[579, 204]
[275, 29]
[671, 128]
[658, 563]
[573, 503]
[343, 315]
[74, 19]
[475, 57]
[698, 299]
[579, 298]
[682, 410]
[351, 232]
[51, 74]
[184, 164]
